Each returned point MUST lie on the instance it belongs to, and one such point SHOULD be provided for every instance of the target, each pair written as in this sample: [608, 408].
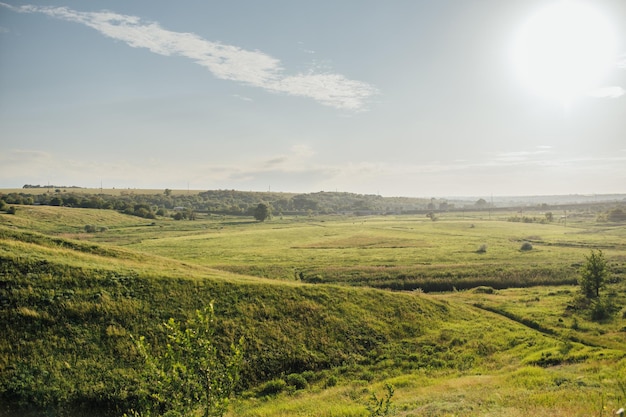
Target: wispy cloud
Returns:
[226, 62]
[242, 98]
[608, 92]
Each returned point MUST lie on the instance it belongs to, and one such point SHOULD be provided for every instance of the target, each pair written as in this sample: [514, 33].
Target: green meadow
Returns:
[452, 312]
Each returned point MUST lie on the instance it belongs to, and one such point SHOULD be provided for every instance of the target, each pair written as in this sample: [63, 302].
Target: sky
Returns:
[398, 98]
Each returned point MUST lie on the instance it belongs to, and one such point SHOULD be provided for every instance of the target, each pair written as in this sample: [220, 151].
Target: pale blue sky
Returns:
[411, 98]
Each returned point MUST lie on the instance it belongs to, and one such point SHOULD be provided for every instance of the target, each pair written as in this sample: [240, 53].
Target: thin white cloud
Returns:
[608, 92]
[226, 62]
[242, 98]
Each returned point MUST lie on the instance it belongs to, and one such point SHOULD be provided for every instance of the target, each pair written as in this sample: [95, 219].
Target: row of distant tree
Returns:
[232, 202]
[222, 202]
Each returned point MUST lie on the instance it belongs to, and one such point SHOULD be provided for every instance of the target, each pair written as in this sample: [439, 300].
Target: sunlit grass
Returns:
[71, 300]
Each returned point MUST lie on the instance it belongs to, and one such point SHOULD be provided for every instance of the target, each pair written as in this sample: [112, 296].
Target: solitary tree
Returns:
[481, 203]
[593, 274]
[262, 212]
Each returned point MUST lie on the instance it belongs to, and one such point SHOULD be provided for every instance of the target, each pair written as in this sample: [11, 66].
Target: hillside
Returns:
[70, 301]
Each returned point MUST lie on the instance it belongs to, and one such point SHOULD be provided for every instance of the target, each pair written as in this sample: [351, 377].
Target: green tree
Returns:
[262, 212]
[192, 373]
[481, 203]
[593, 274]
[616, 215]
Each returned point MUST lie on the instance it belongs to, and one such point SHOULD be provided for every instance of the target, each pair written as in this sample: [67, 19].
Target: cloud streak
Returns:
[608, 92]
[227, 62]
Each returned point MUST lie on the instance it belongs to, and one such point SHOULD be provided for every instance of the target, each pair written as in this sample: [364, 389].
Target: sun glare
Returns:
[565, 50]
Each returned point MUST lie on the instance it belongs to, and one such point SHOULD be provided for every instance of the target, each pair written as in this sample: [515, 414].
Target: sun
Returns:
[565, 50]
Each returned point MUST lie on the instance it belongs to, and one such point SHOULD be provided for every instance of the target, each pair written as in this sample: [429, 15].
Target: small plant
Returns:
[482, 249]
[381, 406]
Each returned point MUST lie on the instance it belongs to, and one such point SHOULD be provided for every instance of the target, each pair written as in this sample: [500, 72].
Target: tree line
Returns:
[245, 203]
[226, 202]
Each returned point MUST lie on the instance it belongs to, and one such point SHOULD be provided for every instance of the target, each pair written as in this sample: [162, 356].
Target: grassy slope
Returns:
[68, 308]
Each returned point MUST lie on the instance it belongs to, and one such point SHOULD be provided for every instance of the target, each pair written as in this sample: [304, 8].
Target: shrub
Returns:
[193, 372]
[90, 228]
[309, 376]
[12, 210]
[602, 309]
[331, 381]
[273, 387]
[616, 215]
[297, 381]
[526, 246]
[482, 249]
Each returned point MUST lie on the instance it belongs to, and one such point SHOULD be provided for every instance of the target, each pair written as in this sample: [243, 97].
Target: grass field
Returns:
[349, 303]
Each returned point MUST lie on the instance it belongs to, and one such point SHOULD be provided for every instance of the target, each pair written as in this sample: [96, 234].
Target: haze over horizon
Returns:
[403, 98]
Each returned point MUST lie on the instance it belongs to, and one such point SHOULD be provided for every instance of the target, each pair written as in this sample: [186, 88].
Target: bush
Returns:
[90, 228]
[482, 249]
[310, 376]
[192, 373]
[616, 215]
[273, 387]
[297, 381]
[331, 381]
[602, 309]
[526, 246]
[12, 210]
